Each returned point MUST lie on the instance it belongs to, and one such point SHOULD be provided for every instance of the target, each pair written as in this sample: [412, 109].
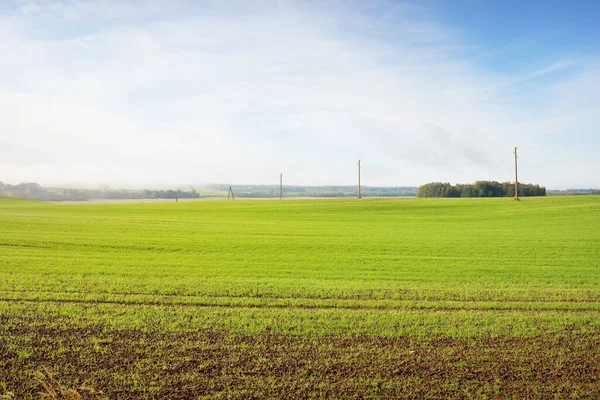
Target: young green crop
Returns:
[186, 299]
[409, 249]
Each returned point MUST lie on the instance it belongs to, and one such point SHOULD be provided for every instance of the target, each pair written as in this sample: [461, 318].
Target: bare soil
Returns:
[186, 365]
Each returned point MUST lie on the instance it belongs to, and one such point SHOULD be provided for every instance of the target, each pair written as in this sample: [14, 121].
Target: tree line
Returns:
[34, 191]
[23, 190]
[479, 189]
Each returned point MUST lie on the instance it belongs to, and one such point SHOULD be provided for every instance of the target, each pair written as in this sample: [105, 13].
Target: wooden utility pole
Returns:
[280, 186]
[359, 179]
[516, 177]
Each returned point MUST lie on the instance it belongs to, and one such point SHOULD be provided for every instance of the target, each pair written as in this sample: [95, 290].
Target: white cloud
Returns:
[185, 92]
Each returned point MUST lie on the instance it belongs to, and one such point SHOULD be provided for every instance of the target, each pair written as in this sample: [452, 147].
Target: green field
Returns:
[379, 298]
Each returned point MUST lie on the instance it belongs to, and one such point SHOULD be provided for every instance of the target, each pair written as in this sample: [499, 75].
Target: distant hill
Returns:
[267, 191]
[573, 192]
[34, 191]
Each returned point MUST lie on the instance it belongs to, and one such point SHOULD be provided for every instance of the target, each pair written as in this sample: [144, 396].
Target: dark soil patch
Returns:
[167, 365]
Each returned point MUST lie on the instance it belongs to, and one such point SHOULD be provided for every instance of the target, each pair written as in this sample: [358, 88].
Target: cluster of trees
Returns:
[479, 189]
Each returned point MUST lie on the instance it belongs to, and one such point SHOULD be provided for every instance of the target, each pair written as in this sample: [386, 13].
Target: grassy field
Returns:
[462, 298]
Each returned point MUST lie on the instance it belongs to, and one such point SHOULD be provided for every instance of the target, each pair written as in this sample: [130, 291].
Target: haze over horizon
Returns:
[148, 93]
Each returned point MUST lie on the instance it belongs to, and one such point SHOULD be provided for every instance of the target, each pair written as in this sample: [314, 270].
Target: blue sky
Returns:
[145, 93]
[518, 34]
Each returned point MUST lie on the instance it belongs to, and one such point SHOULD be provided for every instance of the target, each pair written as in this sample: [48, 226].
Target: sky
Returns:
[144, 93]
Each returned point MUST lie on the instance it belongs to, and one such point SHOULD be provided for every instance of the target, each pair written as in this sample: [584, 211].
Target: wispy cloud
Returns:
[547, 70]
[151, 92]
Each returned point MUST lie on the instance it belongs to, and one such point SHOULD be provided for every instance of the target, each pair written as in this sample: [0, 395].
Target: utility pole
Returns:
[516, 177]
[280, 186]
[359, 179]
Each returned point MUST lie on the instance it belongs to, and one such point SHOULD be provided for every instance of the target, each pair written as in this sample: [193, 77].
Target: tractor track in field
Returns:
[301, 307]
[300, 298]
